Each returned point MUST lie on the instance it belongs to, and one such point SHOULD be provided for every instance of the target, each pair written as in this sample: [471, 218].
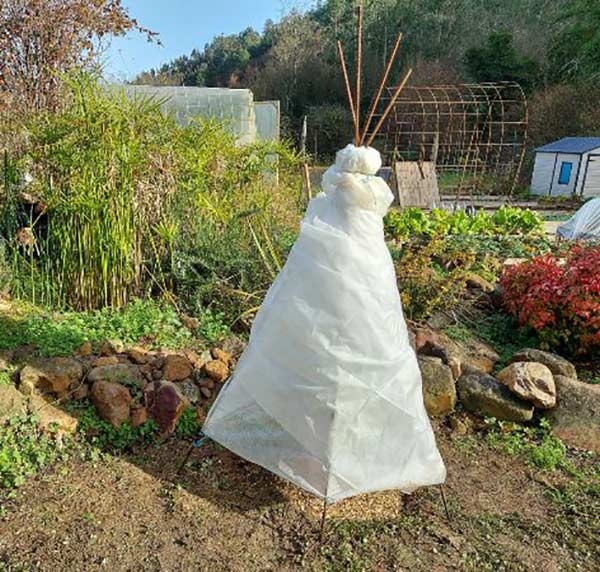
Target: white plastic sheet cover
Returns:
[328, 392]
[584, 224]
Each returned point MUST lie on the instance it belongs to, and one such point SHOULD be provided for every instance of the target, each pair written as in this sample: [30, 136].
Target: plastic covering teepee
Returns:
[328, 392]
[584, 224]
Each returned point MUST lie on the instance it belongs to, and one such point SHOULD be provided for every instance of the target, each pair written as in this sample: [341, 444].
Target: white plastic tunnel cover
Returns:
[584, 224]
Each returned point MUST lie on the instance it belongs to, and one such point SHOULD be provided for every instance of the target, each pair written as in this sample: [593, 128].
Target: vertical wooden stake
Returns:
[347, 84]
[357, 136]
[307, 183]
[382, 83]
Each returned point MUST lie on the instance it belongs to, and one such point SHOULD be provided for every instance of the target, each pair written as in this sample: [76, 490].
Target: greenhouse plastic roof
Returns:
[571, 145]
[235, 107]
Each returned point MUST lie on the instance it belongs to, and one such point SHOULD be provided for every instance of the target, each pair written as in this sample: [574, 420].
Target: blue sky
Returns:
[184, 25]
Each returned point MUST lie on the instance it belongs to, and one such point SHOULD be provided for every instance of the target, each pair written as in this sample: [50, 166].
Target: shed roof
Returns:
[571, 145]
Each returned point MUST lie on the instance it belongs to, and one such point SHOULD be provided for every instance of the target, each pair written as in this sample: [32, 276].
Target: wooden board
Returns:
[416, 184]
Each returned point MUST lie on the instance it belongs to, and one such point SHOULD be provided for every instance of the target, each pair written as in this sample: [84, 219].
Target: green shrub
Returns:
[188, 425]
[425, 286]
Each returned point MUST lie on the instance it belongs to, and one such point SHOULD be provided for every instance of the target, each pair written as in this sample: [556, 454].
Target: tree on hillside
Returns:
[227, 58]
[222, 63]
[575, 51]
[299, 68]
[499, 60]
[40, 39]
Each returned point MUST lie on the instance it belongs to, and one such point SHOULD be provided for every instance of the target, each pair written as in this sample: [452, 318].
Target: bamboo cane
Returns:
[384, 78]
[357, 136]
[347, 83]
[389, 107]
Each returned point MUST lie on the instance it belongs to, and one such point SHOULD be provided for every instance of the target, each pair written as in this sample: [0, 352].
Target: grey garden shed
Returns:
[569, 166]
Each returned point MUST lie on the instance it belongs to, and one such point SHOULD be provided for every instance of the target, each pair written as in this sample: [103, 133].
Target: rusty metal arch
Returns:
[478, 131]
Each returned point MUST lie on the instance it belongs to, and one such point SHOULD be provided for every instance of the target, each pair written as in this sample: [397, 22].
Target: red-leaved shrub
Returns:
[558, 298]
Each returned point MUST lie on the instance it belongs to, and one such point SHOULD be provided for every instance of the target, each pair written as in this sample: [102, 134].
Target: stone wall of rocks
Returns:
[456, 373]
[134, 384]
[125, 384]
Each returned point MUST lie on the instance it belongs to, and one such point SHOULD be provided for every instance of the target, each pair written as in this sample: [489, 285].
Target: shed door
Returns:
[591, 185]
[565, 173]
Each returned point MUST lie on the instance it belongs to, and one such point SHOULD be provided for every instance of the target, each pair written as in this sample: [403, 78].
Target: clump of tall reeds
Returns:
[125, 202]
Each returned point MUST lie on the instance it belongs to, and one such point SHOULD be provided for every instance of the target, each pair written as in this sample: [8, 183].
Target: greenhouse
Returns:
[250, 121]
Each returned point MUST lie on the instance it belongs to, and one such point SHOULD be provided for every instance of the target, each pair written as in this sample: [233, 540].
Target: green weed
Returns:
[103, 435]
[60, 333]
[25, 450]
[188, 424]
[536, 443]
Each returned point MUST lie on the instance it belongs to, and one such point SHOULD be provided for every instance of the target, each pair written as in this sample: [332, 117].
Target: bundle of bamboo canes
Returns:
[363, 137]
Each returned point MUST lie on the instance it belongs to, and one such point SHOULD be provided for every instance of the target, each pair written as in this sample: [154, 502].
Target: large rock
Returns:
[189, 390]
[112, 401]
[458, 356]
[531, 381]
[556, 364]
[106, 360]
[85, 349]
[51, 418]
[576, 417]
[137, 354]
[121, 373]
[12, 402]
[483, 394]
[439, 389]
[111, 347]
[234, 346]
[139, 416]
[6, 357]
[221, 355]
[216, 370]
[479, 355]
[177, 367]
[53, 375]
[165, 404]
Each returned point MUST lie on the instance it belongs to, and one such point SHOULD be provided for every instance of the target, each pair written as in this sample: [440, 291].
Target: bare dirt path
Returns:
[223, 514]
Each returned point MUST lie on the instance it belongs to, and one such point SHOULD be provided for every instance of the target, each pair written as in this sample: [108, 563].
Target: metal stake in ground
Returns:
[444, 502]
[323, 518]
[197, 442]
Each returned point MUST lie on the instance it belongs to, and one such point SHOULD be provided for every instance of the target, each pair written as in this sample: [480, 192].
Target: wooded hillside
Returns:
[551, 47]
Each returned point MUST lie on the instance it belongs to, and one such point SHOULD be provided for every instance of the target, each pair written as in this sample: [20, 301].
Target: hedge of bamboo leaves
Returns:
[123, 202]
